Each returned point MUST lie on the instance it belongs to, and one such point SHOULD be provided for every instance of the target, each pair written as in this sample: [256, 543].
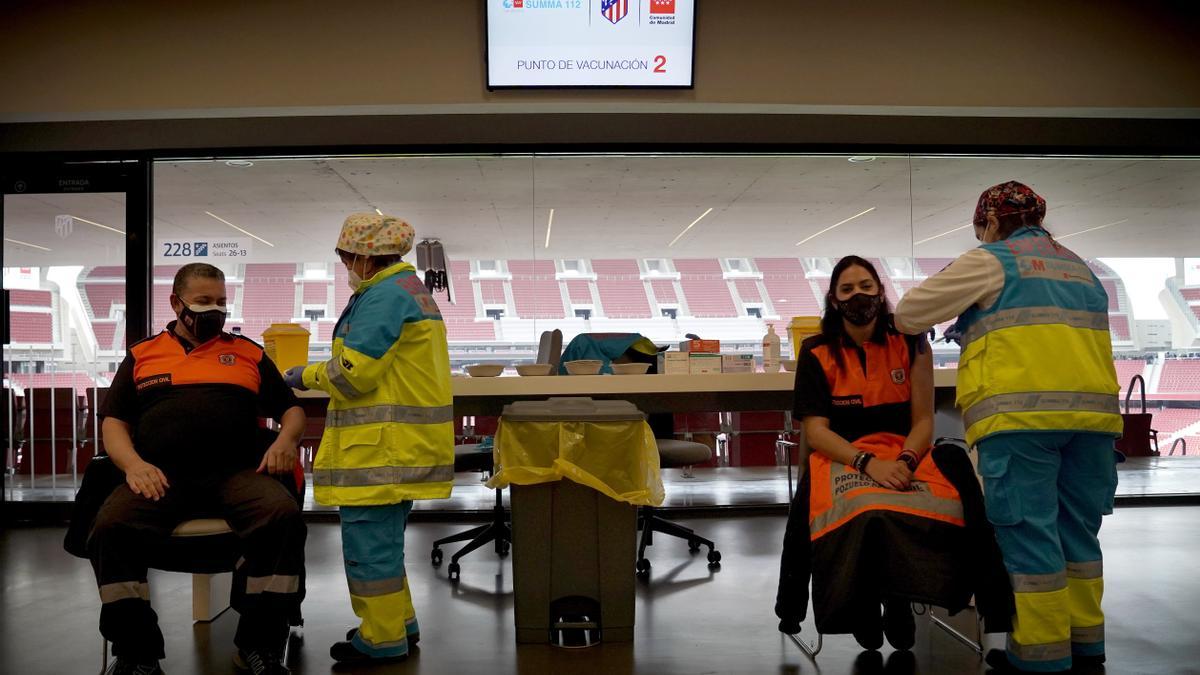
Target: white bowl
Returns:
[630, 368]
[789, 365]
[531, 369]
[583, 367]
[485, 370]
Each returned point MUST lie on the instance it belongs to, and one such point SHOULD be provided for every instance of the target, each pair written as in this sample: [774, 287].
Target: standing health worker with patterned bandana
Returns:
[389, 432]
[1038, 393]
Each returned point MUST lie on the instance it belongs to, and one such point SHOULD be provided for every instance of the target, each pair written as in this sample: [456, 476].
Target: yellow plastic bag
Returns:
[617, 459]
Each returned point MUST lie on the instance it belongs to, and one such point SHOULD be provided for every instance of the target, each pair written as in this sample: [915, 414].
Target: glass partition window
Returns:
[670, 245]
[662, 245]
[64, 267]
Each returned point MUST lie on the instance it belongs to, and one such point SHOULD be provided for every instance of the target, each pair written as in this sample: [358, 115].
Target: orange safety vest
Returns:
[838, 493]
[160, 361]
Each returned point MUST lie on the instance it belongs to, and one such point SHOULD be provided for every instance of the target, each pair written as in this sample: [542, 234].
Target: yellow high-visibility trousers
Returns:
[373, 548]
[1046, 493]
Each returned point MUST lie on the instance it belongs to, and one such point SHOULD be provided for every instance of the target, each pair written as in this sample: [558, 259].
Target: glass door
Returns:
[66, 321]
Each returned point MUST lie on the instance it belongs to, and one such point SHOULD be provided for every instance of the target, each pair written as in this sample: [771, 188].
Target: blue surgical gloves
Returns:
[294, 377]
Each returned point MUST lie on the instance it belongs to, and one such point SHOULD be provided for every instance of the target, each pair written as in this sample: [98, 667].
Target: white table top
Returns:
[577, 385]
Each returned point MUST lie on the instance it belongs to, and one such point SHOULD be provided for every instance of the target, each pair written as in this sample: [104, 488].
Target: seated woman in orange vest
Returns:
[879, 518]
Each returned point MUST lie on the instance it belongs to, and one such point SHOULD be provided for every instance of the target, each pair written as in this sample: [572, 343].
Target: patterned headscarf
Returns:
[1009, 199]
[372, 234]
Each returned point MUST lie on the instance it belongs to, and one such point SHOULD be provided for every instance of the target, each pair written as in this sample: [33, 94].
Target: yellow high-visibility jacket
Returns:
[389, 432]
[1040, 359]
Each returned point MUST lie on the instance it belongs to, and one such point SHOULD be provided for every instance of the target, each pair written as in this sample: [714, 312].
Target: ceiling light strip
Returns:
[25, 243]
[689, 227]
[248, 232]
[549, 226]
[104, 227]
[938, 236]
[1093, 229]
[835, 225]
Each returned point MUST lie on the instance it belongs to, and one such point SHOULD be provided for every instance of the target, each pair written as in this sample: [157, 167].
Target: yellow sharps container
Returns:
[802, 327]
[286, 344]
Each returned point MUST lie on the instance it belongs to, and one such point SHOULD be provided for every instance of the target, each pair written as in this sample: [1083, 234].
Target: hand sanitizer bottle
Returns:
[770, 350]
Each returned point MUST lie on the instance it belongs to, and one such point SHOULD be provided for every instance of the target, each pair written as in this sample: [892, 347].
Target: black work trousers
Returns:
[130, 532]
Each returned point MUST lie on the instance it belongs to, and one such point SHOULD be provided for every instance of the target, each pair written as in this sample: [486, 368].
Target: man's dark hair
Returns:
[191, 271]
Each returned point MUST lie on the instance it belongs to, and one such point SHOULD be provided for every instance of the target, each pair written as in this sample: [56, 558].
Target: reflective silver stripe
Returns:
[1088, 635]
[1093, 569]
[124, 590]
[383, 645]
[843, 507]
[374, 587]
[333, 372]
[1039, 583]
[1050, 651]
[276, 583]
[406, 414]
[383, 475]
[1040, 401]
[1036, 316]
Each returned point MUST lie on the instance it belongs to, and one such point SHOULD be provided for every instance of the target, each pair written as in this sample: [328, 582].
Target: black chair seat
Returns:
[468, 457]
[674, 454]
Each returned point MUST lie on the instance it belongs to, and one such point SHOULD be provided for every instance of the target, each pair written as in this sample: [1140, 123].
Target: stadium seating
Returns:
[704, 288]
[460, 318]
[535, 290]
[789, 289]
[1180, 376]
[622, 293]
[32, 327]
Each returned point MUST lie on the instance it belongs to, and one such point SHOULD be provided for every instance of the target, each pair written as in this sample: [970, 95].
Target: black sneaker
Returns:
[260, 662]
[869, 637]
[121, 666]
[346, 652]
[869, 633]
[412, 639]
[899, 625]
[1087, 664]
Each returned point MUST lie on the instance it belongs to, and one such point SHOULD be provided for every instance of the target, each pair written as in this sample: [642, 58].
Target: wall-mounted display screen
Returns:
[590, 43]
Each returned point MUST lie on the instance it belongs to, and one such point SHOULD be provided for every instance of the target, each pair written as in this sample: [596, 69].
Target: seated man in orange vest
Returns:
[181, 422]
[880, 520]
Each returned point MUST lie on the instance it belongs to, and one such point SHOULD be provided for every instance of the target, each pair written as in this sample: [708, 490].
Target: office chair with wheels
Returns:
[673, 454]
[469, 457]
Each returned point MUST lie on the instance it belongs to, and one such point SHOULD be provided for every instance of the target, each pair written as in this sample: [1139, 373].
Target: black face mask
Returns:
[861, 309]
[204, 321]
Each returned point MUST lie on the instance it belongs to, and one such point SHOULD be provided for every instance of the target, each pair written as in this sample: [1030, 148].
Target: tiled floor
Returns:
[690, 620]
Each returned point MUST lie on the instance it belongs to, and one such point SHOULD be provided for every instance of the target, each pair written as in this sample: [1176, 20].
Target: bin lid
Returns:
[806, 323]
[285, 329]
[572, 409]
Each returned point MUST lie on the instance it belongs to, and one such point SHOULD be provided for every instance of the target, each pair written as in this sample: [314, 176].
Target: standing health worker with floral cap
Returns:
[1038, 394]
[389, 432]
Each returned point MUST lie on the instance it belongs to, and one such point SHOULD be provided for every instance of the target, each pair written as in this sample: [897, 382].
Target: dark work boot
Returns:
[869, 632]
[898, 624]
[121, 666]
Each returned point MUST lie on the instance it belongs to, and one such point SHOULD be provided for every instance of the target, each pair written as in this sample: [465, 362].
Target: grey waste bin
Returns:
[573, 547]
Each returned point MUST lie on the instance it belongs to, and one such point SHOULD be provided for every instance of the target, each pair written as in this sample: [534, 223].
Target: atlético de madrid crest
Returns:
[614, 10]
